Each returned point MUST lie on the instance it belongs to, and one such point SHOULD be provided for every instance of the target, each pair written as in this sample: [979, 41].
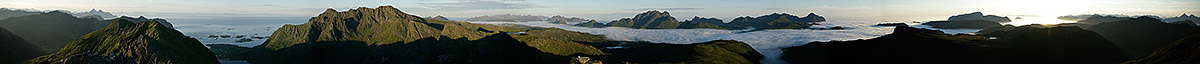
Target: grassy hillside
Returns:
[50, 31]
[124, 42]
[386, 35]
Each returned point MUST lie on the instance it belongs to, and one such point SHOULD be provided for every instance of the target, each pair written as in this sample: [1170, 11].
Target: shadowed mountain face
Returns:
[124, 42]
[1023, 45]
[974, 20]
[50, 31]
[16, 49]
[1141, 36]
[1182, 51]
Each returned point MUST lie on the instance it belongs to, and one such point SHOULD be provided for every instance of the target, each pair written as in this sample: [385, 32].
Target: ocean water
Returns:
[768, 42]
[202, 28]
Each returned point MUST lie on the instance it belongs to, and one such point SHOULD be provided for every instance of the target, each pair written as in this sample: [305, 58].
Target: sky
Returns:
[606, 10]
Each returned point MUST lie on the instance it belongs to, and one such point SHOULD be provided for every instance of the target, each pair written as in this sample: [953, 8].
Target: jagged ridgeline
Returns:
[387, 35]
[126, 42]
[396, 35]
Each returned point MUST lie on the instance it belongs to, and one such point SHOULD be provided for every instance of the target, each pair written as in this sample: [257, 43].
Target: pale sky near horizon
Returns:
[605, 10]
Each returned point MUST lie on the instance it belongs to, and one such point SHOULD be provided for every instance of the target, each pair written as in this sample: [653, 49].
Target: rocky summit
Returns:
[126, 42]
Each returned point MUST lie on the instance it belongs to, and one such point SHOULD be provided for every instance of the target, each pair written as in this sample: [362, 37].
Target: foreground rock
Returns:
[664, 20]
[124, 42]
[906, 45]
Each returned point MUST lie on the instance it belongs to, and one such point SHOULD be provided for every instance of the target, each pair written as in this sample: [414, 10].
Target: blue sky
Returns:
[836, 10]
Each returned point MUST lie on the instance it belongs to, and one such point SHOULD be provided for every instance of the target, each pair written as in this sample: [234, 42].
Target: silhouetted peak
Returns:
[1146, 18]
[329, 10]
[57, 12]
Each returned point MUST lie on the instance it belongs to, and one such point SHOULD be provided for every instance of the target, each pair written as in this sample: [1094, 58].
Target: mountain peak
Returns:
[813, 14]
[329, 10]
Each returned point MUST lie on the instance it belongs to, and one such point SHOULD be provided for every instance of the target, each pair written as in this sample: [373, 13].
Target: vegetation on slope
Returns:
[125, 42]
[403, 38]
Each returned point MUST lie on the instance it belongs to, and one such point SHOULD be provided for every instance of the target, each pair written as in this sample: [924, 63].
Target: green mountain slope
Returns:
[387, 35]
[124, 42]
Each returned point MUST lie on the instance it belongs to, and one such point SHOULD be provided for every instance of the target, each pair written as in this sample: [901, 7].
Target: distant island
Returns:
[507, 18]
[664, 20]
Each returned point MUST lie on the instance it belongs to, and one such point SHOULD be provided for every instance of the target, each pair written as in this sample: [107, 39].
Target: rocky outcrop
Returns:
[363, 35]
[126, 42]
[1142, 35]
[648, 20]
[1031, 44]
[354, 36]
[16, 49]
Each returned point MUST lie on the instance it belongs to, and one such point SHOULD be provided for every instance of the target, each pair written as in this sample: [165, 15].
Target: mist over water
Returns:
[768, 42]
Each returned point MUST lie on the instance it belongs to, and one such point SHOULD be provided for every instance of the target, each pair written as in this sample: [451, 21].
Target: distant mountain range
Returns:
[557, 19]
[345, 37]
[1185, 18]
[95, 14]
[664, 20]
[125, 42]
[507, 18]
[973, 20]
